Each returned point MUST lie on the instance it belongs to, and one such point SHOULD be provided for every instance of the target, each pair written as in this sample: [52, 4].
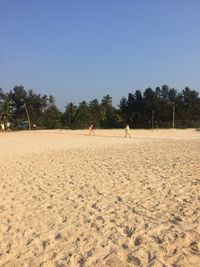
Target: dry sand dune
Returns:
[68, 199]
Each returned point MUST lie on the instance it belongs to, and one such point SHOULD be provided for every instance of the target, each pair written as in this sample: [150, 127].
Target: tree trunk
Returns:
[173, 117]
[152, 119]
[29, 122]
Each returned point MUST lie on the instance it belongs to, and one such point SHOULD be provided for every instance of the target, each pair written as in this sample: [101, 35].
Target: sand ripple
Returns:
[124, 203]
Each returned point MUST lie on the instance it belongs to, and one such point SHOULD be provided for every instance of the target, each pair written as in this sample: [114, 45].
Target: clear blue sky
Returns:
[84, 49]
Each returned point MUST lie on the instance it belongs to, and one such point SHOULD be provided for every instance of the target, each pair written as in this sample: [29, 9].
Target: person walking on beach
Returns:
[8, 126]
[127, 131]
[91, 130]
[2, 127]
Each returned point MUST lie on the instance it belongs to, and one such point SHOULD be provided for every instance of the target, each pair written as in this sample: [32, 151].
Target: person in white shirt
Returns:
[2, 127]
[8, 126]
[91, 130]
[127, 131]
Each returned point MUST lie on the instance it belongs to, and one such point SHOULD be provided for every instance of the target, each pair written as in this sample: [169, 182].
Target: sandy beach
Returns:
[69, 199]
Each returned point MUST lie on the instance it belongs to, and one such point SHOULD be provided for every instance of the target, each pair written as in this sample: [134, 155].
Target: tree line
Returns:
[162, 107]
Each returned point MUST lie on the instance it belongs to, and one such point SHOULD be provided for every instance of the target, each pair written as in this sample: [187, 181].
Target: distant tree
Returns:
[53, 118]
[109, 118]
[34, 105]
[106, 102]
[150, 106]
[131, 102]
[158, 92]
[138, 118]
[83, 116]
[18, 97]
[190, 107]
[172, 95]
[164, 94]
[52, 101]
[69, 116]
[2, 95]
[6, 112]
[163, 107]
[95, 113]
[44, 102]
[123, 109]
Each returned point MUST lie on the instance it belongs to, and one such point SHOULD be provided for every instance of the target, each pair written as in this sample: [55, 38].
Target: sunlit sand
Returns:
[70, 199]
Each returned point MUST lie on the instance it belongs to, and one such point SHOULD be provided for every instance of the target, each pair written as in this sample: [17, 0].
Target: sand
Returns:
[69, 199]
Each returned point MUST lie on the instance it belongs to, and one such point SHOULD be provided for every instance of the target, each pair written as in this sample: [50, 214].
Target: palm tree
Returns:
[106, 102]
[109, 116]
[68, 117]
[5, 111]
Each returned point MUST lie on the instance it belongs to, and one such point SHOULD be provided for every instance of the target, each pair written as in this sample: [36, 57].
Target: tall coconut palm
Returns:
[6, 111]
[106, 104]
[106, 101]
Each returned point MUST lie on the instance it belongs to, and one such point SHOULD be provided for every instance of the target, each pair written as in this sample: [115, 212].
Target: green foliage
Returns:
[42, 110]
[140, 110]
[68, 118]
[95, 113]
[6, 111]
[52, 118]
